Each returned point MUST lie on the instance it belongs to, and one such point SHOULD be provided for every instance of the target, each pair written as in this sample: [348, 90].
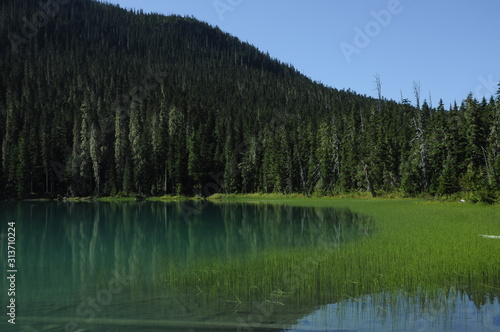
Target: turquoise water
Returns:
[87, 266]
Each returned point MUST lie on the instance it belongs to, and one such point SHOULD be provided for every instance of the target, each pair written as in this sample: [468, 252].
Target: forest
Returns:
[96, 100]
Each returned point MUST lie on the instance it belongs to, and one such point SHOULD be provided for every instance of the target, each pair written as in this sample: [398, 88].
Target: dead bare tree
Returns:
[420, 129]
[416, 92]
[378, 88]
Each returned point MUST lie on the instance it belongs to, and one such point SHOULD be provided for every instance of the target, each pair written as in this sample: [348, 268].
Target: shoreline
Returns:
[265, 197]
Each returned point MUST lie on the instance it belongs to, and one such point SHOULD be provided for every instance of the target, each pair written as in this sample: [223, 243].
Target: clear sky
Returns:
[452, 47]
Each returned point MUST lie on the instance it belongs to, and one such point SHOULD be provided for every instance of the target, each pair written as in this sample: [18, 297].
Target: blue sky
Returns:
[451, 47]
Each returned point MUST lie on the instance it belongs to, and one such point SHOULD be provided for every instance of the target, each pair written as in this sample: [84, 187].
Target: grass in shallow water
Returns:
[417, 247]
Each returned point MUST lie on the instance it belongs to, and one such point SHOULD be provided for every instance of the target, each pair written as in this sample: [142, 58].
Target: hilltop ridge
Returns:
[98, 100]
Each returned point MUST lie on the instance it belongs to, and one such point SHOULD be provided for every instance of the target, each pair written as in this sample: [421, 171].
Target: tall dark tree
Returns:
[102, 101]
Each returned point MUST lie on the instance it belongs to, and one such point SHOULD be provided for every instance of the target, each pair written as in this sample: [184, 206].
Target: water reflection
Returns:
[83, 264]
[104, 266]
[442, 311]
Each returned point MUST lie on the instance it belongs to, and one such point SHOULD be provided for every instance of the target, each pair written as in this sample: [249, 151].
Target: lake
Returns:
[155, 266]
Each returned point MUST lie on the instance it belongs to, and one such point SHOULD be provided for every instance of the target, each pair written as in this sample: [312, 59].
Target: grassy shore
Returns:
[459, 197]
[268, 197]
[419, 247]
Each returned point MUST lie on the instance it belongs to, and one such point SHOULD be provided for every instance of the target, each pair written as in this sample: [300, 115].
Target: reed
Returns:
[416, 247]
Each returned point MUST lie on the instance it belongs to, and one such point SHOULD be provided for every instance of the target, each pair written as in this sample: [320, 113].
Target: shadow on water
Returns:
[137, 263]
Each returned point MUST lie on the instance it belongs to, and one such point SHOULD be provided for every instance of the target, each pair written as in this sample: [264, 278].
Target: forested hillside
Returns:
[96, 100]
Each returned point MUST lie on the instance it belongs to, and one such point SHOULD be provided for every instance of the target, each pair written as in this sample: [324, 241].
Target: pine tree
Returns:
[201, 107]
[120, 145]
[84, 164]
[137, 148]
[448, 181]
[494, 141]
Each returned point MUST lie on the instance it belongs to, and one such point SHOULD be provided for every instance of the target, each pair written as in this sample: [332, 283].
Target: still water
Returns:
[141, 266]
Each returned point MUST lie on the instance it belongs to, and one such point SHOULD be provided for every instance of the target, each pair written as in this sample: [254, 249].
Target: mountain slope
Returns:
[96, 100]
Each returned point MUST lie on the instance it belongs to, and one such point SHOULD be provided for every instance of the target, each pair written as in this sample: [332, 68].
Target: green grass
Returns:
[476, 197]
[122, 197]
[418, 247]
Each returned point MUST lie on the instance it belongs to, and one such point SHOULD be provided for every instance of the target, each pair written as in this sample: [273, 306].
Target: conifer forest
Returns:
[100, 101]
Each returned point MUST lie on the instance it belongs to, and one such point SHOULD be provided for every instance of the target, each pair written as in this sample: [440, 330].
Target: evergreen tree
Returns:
[198, 108]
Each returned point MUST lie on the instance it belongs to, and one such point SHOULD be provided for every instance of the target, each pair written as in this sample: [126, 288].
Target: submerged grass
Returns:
[419, 247]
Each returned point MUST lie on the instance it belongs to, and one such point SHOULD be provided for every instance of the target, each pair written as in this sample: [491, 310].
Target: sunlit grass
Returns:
[418, 247]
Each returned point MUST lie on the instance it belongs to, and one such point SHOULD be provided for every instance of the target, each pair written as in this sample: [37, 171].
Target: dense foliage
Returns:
[96, 100]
